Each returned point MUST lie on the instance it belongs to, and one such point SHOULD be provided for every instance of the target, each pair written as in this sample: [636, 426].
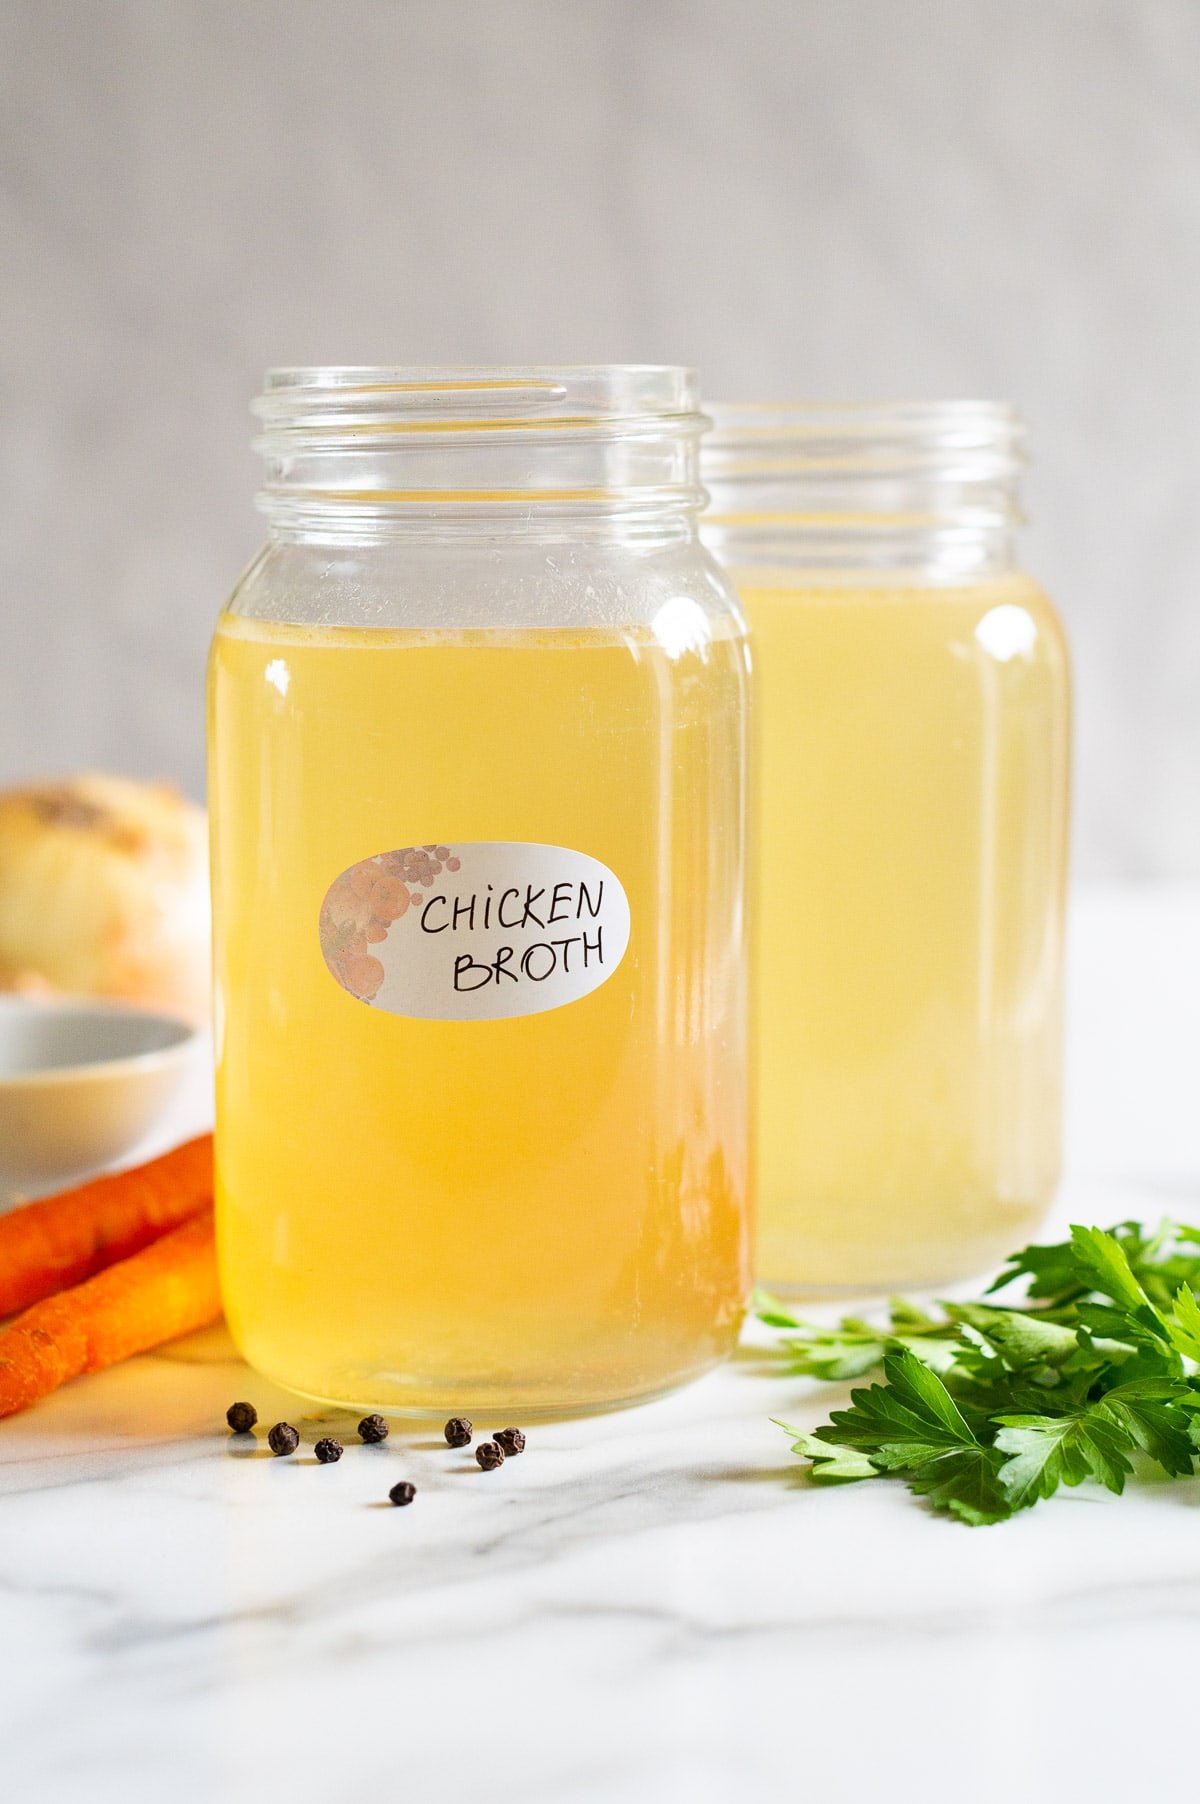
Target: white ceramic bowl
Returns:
[81, 1084]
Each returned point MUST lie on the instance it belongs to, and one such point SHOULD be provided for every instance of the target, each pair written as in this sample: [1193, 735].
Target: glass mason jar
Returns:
[481, 1099]
[914, 708]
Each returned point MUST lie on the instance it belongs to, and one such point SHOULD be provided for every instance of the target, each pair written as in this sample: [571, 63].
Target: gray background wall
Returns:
[848, 198]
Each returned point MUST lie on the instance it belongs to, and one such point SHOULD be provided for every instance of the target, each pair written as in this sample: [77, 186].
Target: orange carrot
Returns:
[165, 1290]
[64, 1239]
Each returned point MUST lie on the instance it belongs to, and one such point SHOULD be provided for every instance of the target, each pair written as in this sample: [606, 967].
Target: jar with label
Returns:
[481, 1098]
[913, 696]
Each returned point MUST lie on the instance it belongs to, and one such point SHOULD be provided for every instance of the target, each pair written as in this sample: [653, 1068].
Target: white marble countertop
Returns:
[648, 1606]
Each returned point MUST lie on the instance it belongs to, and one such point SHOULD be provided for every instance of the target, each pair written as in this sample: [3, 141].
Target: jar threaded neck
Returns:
[368, 451]
[918, 486]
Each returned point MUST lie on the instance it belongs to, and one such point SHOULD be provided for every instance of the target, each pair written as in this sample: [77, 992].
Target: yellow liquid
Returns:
[914, 746]
[542, 1213]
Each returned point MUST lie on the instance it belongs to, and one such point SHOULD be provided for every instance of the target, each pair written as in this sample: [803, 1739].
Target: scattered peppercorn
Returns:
[489, 1455]
[403, 1492]
[458, 1432]
[373, 1429]
[510, 1441]
[283, 1438]
[328, 1452]
[241, 1417]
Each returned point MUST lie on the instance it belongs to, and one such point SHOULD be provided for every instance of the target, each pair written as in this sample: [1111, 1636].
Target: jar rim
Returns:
[962, 441]
[864, 484]
[390, 448]
[910, 420]
[477, 397]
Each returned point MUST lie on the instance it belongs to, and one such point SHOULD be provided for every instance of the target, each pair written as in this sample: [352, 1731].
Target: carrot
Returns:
[64, 1239]
[165, 1290]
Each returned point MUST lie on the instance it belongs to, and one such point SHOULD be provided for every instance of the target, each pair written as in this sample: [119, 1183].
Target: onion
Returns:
[104, 892]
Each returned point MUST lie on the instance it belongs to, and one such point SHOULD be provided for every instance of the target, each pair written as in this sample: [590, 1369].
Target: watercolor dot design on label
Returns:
[529, 928]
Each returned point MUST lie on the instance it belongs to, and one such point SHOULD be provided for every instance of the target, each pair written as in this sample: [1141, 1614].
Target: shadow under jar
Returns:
[913, 696]
[481, 1099]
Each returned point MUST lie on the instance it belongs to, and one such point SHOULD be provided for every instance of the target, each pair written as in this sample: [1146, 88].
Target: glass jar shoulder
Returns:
[669, 591]
[1003, 616]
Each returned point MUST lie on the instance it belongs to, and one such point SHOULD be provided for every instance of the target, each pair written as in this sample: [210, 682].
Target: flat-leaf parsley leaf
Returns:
[984, 1410]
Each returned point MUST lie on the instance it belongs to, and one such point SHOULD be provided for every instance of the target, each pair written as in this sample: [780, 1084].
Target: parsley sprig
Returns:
[985, 1409]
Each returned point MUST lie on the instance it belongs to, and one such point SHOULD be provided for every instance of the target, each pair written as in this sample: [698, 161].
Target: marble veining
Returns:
[652, 1605]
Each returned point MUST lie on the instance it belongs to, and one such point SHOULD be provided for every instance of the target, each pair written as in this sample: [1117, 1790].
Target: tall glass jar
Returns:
[914, 706]
[481, 1099]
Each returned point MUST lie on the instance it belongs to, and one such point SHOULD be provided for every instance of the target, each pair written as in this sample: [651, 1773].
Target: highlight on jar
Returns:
[913, 696]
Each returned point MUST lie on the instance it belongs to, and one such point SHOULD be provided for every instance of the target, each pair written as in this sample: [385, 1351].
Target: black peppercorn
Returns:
[241, 1417]
[373, 1429]
[283, 1438]
[328, 1452]
[458, 1432]
[489, 1455]
[403, 1492]
[510, 1441]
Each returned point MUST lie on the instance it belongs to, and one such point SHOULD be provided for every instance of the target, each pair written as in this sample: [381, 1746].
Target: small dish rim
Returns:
[126, 1064]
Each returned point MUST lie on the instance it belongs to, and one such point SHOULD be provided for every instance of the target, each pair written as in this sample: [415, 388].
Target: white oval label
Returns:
[476, 932]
